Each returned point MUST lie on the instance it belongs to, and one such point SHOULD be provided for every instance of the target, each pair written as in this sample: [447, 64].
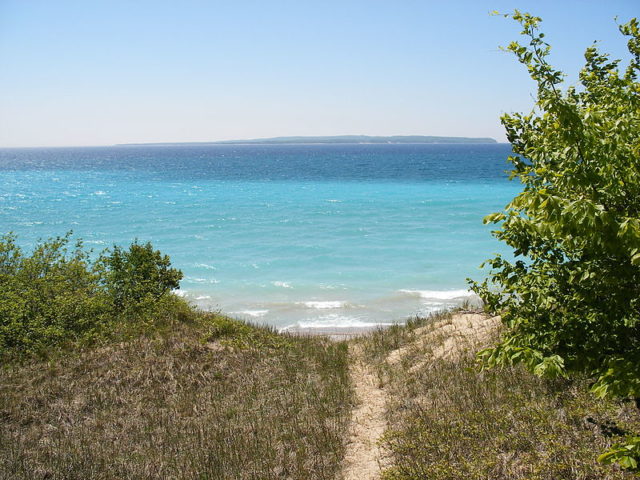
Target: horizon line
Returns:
[256, 141]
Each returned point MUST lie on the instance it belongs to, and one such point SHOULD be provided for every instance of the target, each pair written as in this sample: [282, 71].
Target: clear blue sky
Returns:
[104, 72]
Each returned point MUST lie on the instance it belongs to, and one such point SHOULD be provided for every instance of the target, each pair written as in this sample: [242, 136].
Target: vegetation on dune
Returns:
[447, 420]
[171, 392]
[58, 295]
[166, 391]
[571, 300]
[206, 397]
[106, 374]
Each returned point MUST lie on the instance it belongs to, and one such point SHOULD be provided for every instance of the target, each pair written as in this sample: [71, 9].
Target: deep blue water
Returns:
[307, 235]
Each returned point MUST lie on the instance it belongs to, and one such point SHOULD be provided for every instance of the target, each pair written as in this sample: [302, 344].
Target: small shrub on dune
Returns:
[57, 294]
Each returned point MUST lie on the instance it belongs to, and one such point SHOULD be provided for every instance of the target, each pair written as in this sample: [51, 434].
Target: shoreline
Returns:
[335, 333]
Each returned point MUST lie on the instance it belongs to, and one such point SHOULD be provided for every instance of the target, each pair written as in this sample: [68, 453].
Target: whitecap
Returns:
[201, 280]
[281, 284]
[252, 313]
[323, 304]
[204, 265]
[335, 321]
[439, 294]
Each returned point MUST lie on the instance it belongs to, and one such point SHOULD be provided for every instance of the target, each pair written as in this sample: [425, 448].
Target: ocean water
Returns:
[306, 236]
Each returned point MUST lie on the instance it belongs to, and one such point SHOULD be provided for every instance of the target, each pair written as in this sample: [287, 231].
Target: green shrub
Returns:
[58, 295]
[571, 301]
[138, 276]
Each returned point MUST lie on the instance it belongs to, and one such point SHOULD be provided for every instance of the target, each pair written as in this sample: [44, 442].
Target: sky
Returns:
[109, 72]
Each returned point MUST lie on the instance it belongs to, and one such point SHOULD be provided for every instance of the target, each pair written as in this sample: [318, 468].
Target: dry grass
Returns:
[448, 420]
[211, 399]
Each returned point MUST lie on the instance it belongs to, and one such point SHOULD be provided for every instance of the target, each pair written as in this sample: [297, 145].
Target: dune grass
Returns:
[449, 420]
[199, 395]
[208, 398]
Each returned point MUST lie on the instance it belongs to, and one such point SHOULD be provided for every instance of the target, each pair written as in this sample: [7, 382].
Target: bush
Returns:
[139, 276]
[59, 295]
[571, 300]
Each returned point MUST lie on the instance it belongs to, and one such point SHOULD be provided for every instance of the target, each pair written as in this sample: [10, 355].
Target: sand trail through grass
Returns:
[365, 458]
[447, 419]
[363, 455]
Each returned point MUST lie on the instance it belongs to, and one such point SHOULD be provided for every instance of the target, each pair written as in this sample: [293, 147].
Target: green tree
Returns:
[571, 297]
[139, 275]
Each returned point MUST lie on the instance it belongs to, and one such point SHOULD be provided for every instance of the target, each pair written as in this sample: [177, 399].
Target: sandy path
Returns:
[446, 338]
[363, 456]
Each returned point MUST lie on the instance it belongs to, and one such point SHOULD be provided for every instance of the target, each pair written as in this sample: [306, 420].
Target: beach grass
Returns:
[201, 395]
[448, 419]
[208, 398]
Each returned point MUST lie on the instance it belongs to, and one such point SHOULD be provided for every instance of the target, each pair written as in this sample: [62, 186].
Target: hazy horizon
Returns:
[250, 141]
[98, 74]
[239, 140]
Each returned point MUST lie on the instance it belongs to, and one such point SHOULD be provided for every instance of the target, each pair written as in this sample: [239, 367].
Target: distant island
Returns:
[340, 139]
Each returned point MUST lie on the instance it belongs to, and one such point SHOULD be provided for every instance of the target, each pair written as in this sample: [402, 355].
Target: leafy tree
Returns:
[571, 297]
[138, 275]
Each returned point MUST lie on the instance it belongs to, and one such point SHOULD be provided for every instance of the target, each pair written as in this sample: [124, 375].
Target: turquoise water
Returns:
[306, 236]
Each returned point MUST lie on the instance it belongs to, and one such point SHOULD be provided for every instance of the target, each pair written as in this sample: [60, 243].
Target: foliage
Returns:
[625, 454]
[57, 294]
[571, 298]
[138, 276]
[447, 420]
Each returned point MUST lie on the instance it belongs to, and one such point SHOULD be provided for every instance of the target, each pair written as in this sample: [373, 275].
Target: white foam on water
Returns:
[323, 304]
[435, 308]
[179, 293]
[204, 265]
[439, 294]
[281, 284]
[326, 286]
[211, 281]
[252, 313]
[203, 297]
[335, 321]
